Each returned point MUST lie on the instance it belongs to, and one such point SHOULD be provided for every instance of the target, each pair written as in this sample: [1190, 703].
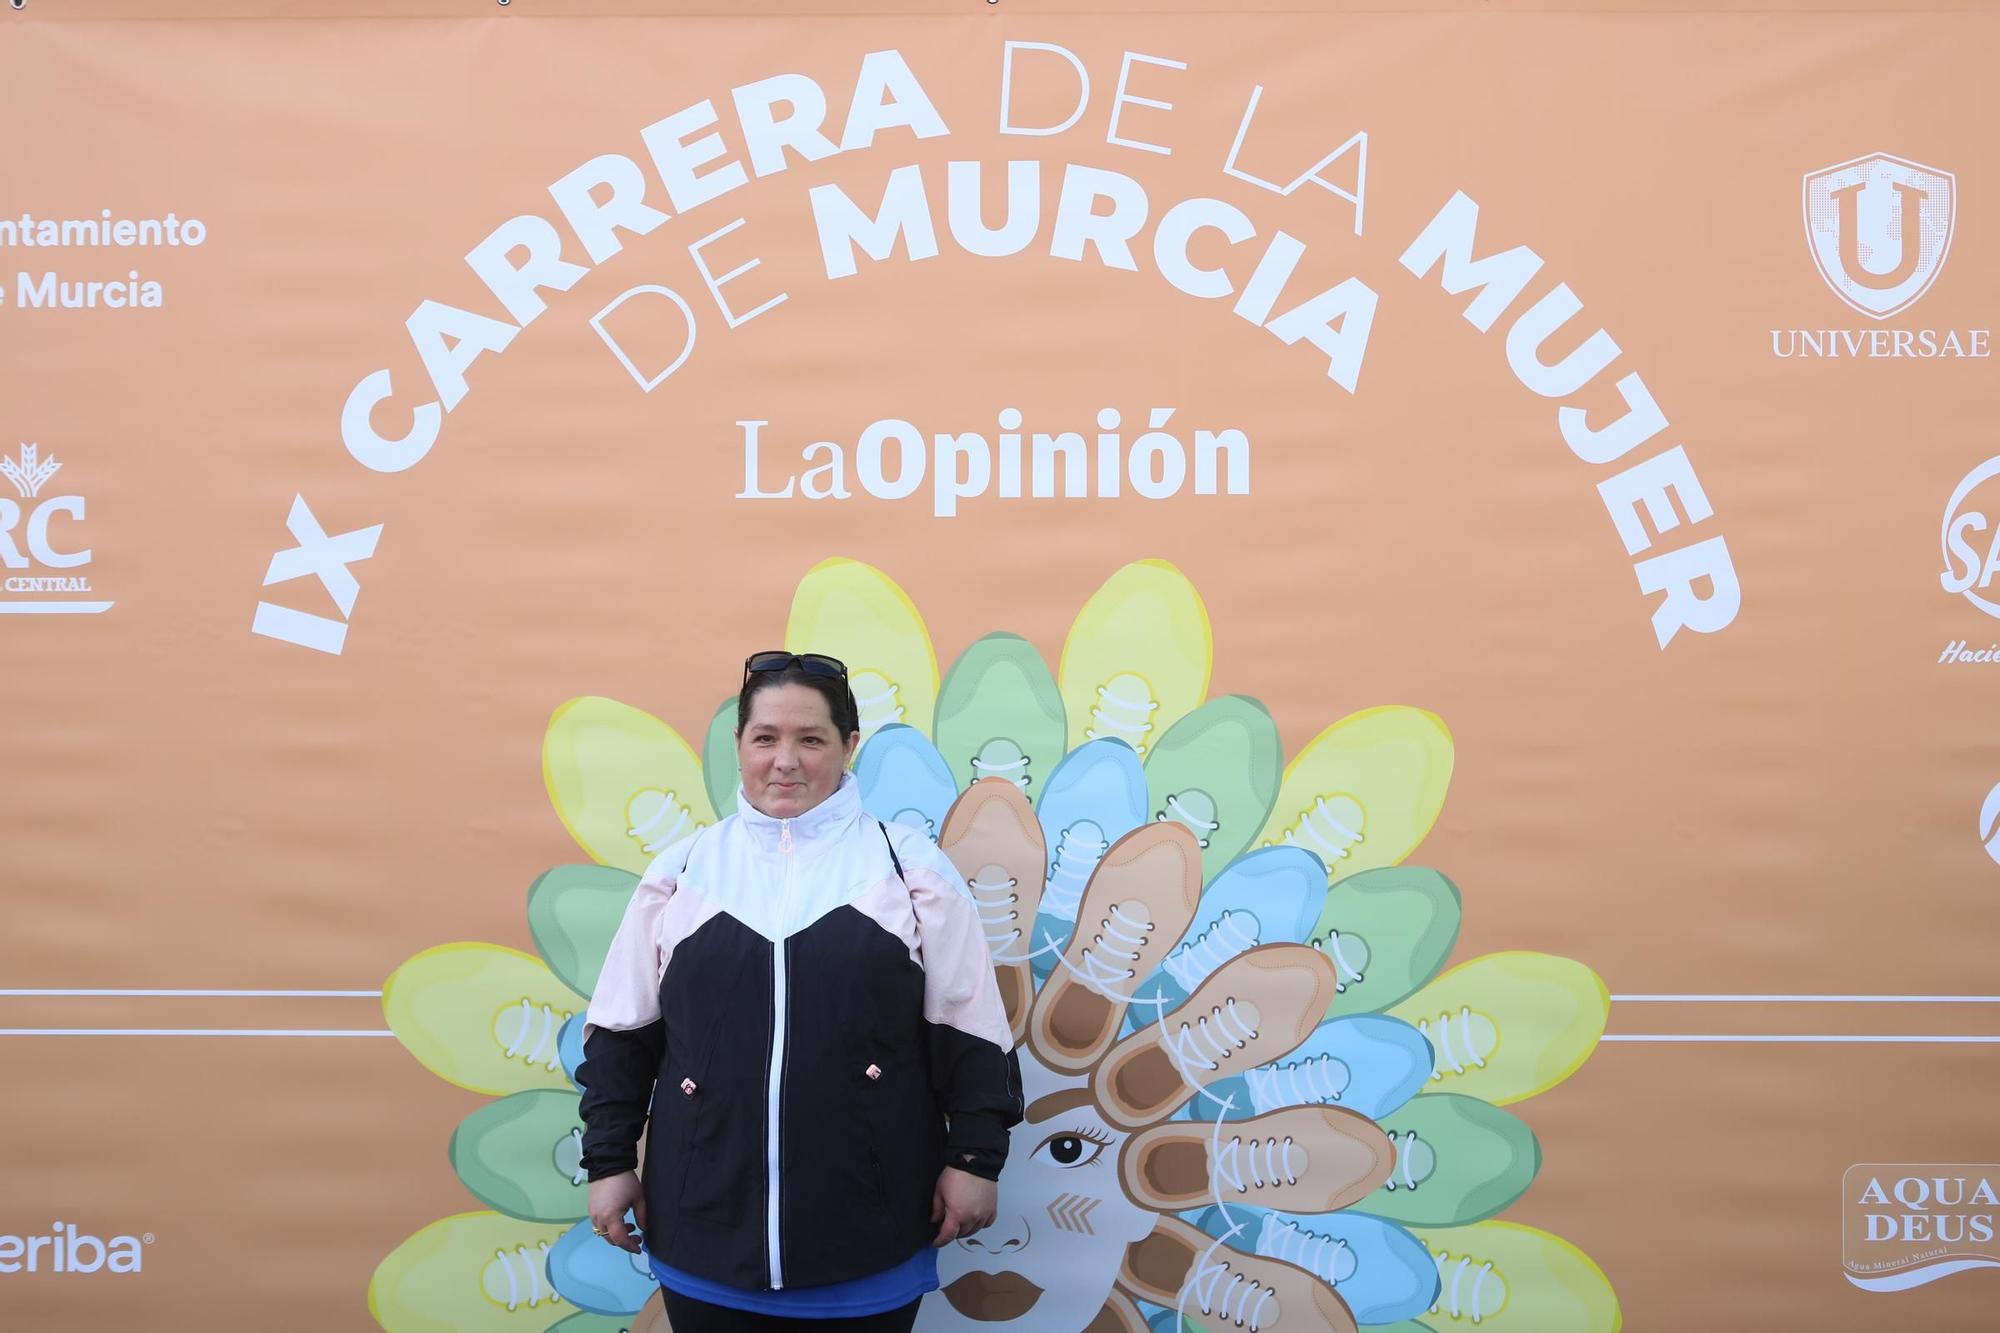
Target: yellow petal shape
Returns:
[1137, 657]
[1503, 1277]
[624, 783]
[470, 1272]
[1364, 793]
[482, 1016]
[858, 614]
[1508, 1025]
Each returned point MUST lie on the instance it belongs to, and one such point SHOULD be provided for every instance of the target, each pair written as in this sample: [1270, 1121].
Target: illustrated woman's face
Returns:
[790, 752]
[1049, 1258]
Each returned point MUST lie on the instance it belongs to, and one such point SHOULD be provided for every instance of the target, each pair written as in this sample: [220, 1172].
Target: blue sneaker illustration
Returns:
[1381, 1271]
[601, 1278]
[1365, 1062]
[1096, 796]
[904, 780]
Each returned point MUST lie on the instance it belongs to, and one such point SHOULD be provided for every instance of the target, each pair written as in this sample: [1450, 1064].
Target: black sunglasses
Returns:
[813, 664]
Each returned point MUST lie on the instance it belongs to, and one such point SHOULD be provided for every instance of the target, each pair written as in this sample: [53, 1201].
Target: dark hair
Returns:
[839, 698]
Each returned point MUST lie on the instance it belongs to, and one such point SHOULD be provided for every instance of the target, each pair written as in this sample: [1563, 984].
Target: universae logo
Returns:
[1906, 1225]
[46, 567]
[64, 1249]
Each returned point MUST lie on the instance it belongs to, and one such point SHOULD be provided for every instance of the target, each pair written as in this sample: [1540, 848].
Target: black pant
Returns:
[688, 1315]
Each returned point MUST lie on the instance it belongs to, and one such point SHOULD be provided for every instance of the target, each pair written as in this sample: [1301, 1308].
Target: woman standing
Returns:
[803, 996]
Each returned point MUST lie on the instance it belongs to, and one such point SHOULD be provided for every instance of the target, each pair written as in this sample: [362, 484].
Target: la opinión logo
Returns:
[31, 520]
[64, 1249]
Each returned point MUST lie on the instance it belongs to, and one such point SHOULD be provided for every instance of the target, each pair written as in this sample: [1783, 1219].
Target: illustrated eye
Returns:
[1070, 1151]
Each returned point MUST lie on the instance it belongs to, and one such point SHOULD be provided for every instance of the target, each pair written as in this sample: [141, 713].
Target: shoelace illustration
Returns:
[1404, 1143]
[531, 1265]
[544, 1033]
[1201, 824]
[1313, 1081]
[1346, 970]
[644, 831]
[1078, 853]
[1465, 1302]
[994, 901]
[1015, 771]
[1126, 716]
[1326, 1257]
[879, 708]
[1119, 937]
[1195, 961]
[1210, 1039]
[1223, 1292]
[1244, 1164]
[1441, 1041]
[1333, 839]
[582, 1173]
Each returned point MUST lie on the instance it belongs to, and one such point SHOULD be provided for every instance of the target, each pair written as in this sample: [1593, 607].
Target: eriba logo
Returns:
[64, 1249]
[1907, 1225]
[1971, 539]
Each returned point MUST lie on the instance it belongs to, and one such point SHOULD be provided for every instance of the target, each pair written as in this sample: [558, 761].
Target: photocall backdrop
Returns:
[1519, 482]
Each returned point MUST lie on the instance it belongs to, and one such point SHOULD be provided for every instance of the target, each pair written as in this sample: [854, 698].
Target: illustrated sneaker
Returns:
[1388, 931]
[999, 715]
[474, 1270]
[1458, 1160]
[1137, 905]
[573, 911]
[991, 836]
[1119, 1315]
[592, 1275]
[1217, 771]
[1366, 790]
[1261, 1005]
[482, 1016]
[903, 779]
[651, 1318]
[1367, 1063]
[1270, 895]
[1515, 1279]
[524, 1156]
[1183, 1269]
[860, 615]
[624, 783]
[1382, 1272]
[721, 775]
[1137, 657]
[1310, 1159]
[1509, 1025]
[1096, 796]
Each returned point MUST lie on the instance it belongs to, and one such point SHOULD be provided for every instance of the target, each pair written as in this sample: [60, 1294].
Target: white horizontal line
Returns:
[196, 1032]
[1793, 1037]
[206, 994]
[1807, 999]
[54, 608]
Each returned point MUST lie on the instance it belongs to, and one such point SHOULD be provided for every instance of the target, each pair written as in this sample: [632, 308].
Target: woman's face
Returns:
[790, 753]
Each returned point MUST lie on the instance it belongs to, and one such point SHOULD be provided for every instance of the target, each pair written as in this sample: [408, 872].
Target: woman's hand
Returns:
[963, 1202]
[609, 1198]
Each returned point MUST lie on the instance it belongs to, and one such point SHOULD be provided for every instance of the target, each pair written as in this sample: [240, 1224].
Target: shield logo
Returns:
[1879, 228]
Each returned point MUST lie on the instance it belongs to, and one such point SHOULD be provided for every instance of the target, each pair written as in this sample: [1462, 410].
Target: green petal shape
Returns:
[573, 911]
[522, 1155]
[1217, 771]
[1388, 932]
[1458, 1160]
[999, 714]
[719, 770]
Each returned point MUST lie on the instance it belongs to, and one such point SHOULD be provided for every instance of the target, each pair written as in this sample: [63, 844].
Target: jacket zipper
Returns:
[773, 1103]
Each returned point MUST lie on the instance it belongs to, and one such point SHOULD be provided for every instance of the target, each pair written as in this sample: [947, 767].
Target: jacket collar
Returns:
[824, 822]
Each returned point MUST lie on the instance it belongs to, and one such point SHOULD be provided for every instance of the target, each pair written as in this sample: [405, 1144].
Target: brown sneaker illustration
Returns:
[992, 836]
[1135, 908]
[1181, 1268]
[1119, 1315]
[1304, 1159]
[1257, 1007]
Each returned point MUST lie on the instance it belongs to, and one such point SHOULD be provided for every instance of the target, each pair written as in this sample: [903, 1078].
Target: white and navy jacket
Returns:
[809, 1007]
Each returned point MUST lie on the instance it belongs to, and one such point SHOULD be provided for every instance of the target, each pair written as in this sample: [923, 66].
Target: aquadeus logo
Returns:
[43, 560]
[64, 1249]
[1905, 1225]
[1879, 228]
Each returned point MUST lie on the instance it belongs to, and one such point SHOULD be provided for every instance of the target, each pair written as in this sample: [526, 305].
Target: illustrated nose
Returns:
[1008, 1233]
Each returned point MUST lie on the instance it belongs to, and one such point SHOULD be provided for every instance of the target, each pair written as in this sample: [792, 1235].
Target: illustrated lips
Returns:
[992, 1297]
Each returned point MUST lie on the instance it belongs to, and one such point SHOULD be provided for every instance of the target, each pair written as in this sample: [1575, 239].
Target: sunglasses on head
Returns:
[813, 664]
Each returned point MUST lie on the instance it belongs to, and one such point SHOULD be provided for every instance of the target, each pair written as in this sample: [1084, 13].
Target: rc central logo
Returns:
[28, 521]
[1904, 1225]
[1879, 228]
